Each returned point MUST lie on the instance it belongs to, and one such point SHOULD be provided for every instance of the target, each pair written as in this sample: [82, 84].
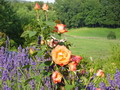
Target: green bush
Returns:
[111, 35]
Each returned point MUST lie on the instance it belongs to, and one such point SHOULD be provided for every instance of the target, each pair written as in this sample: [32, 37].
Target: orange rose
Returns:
[37, 6]
[76, 58]
[72, 66]
[61, 55]
[45, 7]
[100, 73]
[57, 77]
[60, 28]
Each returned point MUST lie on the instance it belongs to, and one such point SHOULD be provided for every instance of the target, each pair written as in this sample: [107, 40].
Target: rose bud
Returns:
[31, 51]
[100, 73]
[83, 71]
[91, 70]
[42, 42]
[57, 77]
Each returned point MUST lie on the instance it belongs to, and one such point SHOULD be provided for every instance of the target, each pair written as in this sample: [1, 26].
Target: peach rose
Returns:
[72, 66]
[60, 28]
[61, 55]
[37, 6]
[45, 7]
[76, 58]
[100, 73]
[57, 77]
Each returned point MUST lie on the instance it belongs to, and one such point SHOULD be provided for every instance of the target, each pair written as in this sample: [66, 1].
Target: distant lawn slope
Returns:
[94, 32]
[92, 42]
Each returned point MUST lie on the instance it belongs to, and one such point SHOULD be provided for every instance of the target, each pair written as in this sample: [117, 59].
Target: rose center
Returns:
[60, 28]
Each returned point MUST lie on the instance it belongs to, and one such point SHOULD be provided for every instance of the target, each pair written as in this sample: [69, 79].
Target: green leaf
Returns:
[32, 33]
[47, 63]
[27, 81]
[37, 78]
[26, 66]
[24, 33]
[40, 53]
[69, 87]
[57, 36]
[47, 73]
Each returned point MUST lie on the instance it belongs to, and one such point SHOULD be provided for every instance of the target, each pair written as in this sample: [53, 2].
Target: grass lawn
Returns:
[92, 42]
[94, 32]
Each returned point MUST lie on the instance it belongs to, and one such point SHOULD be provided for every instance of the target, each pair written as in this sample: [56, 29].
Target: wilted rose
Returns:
[60, 28]
[57, 77]
[52, 42]
[61, 55]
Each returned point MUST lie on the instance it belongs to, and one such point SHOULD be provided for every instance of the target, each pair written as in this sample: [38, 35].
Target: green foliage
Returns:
[116, 52]
[9, 22]
[93, 13]
[2, 39]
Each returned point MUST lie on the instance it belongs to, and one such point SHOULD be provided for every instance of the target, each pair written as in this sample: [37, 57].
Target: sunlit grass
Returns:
[94, 32]
[92, 42]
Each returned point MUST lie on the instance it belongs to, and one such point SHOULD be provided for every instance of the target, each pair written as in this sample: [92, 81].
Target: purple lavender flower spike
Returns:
[20, 48]
[39, 40]
[5, 75]
[102, 86]
[7, 88]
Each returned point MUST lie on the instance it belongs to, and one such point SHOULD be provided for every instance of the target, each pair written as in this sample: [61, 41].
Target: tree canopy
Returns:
[94, 13]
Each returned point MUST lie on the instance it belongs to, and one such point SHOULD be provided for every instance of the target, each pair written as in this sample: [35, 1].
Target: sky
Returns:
[41, 0]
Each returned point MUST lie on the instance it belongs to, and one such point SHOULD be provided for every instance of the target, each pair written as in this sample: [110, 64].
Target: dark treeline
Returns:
[92, 13]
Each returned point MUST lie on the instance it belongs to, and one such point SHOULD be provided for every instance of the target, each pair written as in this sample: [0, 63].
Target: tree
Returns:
[9, 22]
